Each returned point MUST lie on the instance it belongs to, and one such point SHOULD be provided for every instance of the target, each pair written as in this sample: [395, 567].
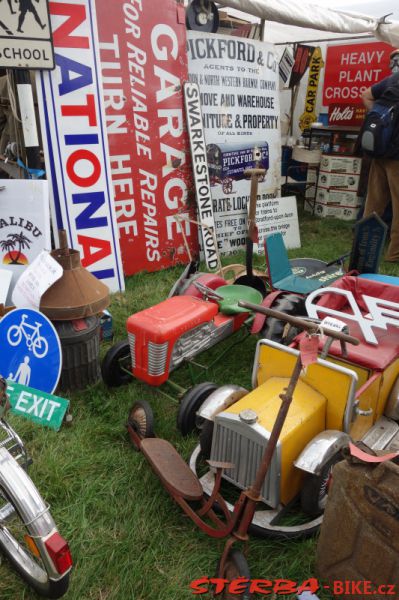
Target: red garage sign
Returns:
[352, 68]
[144, 62]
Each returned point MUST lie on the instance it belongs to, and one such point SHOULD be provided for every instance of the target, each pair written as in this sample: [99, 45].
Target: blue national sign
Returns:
[30, 350]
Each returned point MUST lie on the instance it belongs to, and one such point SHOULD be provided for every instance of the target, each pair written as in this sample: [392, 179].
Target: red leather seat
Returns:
[367, 355]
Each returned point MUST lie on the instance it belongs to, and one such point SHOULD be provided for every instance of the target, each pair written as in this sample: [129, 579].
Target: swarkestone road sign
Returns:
[25, 35]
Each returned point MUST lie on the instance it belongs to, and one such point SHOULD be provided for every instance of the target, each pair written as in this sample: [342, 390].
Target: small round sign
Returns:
[30, 350]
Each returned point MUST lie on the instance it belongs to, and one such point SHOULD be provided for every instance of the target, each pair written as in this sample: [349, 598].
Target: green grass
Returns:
[129, 541]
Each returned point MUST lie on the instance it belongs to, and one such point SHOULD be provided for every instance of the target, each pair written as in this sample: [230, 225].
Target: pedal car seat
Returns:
[367, 355]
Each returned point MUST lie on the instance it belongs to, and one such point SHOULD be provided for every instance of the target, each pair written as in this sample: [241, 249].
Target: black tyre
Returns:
[116, 365]
[205, 438]
[29, 567]
[280, 331]
[314, 492]
[191, 402]
[141, 419]
[236, 566]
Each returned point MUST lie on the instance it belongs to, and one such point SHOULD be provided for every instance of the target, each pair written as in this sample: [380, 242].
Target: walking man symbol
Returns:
[22, 376]
[24, 7]
[10, 7]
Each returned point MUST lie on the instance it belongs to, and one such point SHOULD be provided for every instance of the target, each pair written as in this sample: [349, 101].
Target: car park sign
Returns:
[30, 350]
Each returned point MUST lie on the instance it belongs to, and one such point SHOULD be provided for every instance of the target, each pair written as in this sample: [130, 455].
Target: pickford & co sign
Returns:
[238, 81]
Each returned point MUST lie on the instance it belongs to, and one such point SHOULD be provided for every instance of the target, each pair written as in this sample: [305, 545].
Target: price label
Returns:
[332, 323]
[308, 347]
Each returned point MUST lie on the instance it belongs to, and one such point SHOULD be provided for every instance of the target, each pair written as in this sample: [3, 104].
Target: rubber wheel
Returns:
[236, 566]
[314, 491]
[111, 367]
[190, 403]
[141, 419]
[205, 438]
[30, 568]
[275, 329]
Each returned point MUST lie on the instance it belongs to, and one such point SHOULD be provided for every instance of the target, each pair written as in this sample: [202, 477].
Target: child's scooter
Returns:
[185, 488]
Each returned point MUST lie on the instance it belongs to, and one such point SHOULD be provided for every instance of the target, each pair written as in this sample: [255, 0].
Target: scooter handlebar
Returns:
[301, 323]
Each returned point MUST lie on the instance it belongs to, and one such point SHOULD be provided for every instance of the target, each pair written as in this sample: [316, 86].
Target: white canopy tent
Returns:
[288, 21]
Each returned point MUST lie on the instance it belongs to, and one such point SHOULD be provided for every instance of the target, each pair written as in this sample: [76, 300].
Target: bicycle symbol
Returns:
[35, 342]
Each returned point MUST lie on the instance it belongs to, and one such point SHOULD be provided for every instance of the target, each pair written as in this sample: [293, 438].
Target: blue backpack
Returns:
[379, 133]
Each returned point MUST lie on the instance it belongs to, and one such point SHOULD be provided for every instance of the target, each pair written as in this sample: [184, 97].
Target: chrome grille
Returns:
[243, 445]
[199, 338]
[157, 355]
[132, 344]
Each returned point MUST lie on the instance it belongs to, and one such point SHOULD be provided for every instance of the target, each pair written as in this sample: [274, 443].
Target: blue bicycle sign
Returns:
[31, 350]
[35, 342]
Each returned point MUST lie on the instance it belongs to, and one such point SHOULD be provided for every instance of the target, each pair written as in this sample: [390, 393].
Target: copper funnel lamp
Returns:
[78, 294]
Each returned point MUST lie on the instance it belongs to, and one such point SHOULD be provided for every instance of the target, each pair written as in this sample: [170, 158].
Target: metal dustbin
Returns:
[80, 343]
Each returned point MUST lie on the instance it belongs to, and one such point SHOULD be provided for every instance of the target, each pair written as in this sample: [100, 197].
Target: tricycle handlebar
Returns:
[301, 323]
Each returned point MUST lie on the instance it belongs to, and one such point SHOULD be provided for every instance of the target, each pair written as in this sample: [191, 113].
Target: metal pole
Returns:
[28, 118]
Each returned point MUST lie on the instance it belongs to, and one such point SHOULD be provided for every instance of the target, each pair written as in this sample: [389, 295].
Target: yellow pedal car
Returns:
[343, 396]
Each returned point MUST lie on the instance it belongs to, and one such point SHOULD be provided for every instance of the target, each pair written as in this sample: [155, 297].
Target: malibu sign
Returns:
[24, 225]
[76, 149]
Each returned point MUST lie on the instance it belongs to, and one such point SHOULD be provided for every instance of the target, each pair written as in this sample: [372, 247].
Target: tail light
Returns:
[59, 552]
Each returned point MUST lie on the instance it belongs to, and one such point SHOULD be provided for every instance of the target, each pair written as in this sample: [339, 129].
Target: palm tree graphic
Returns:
[16, 239]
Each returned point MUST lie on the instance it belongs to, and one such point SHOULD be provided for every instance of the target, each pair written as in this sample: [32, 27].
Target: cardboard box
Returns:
[349, 213]
[311, 181]
[308, 205]
[327, 210]
[345, 213]
[341, 164]
[338, 197]
[343, 181]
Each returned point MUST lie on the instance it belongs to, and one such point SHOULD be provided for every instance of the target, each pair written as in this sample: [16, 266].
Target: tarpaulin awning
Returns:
[315, 17]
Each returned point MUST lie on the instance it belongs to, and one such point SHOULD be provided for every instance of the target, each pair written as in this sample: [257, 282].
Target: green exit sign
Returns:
[37, 406]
